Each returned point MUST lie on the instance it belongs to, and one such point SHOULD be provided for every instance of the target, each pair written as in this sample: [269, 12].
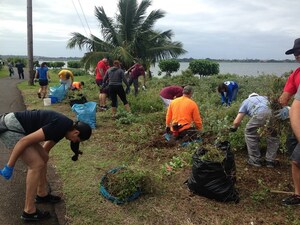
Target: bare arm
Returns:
[284, 98]
[238, 119]
[33, 138]
[295, 118]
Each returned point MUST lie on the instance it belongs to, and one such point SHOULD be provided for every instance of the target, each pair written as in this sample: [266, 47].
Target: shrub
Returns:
[169, 66]
[74, 64]
[204, 67]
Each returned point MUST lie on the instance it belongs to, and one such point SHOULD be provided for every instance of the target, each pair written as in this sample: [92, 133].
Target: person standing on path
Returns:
[20, 66]
[25, 131]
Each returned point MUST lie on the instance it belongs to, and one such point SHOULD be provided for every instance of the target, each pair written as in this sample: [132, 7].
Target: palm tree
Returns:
[129, 36]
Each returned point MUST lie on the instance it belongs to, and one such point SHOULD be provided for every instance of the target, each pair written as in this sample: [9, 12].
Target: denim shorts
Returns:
[10, 138]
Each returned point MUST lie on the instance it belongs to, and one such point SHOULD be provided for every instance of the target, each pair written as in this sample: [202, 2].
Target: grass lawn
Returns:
[137, 142]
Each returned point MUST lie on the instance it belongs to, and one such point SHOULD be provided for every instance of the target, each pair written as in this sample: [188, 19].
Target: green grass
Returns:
[4, 72]
[137, 141]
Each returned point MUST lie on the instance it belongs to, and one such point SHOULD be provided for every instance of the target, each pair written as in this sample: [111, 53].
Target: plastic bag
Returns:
[214, 180]
[58, 91]
[86, 113]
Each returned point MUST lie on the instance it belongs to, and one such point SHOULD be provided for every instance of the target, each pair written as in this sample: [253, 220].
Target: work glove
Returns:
[283, 113]
[144, 87]
[168, 130]
[7, 172]
[233, 129]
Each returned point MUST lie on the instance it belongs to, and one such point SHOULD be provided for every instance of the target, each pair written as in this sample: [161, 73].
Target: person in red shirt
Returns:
[134, 72]
[183, 116]
[292, 88]
[102, 67]
[167, 94]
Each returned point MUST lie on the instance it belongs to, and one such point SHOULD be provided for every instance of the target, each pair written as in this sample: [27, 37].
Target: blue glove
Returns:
[7, 172]
[283, 113]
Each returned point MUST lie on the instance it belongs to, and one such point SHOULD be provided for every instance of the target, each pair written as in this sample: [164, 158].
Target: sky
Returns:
[216, 29]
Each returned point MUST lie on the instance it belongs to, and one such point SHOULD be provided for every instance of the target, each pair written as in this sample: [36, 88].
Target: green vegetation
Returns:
[136, 140]
[129, 35]
[169, 66]
[204, 67]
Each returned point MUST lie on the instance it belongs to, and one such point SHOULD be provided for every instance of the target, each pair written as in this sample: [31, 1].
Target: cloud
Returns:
[208, 29]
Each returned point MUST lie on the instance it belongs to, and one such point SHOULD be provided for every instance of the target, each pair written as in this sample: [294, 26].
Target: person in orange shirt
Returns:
[77, 85]
[183, 116]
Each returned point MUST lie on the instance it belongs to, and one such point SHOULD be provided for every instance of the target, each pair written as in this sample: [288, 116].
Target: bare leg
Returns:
[296, 177]
[36, 164]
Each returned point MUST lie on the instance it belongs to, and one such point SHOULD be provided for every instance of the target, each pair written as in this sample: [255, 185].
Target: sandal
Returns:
[38, 215]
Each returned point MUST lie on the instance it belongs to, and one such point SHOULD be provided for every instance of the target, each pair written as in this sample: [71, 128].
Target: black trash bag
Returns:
[81, 100]
[214, 180]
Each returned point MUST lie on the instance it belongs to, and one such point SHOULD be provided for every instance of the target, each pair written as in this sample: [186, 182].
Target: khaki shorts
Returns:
[10, 138]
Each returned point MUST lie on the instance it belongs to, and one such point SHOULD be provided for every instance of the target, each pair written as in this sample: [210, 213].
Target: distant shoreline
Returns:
[43, 58]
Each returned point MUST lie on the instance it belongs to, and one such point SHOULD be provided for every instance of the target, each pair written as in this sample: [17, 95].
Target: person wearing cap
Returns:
[183, 115]
[292, 88]
[24, 132]
[169, 93]
[257, 107]
[228, 91]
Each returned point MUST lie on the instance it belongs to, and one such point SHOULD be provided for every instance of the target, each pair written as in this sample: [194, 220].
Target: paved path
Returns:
[12, 192]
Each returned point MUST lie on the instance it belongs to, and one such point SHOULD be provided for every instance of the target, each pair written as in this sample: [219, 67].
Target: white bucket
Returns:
[47, 101]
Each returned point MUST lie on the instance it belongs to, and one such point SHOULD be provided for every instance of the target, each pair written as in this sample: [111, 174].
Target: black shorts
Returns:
[43, 82]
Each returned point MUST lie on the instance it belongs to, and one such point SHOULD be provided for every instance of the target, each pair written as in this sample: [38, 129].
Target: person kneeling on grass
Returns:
[182, 113]
[23, 132]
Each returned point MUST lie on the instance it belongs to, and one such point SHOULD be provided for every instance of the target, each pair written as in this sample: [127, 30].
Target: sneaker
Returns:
[38, 215]
[253, 163]
[39, 95]
[47, 199]
[291, 200]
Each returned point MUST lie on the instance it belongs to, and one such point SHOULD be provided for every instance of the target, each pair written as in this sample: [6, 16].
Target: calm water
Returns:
[241, 68]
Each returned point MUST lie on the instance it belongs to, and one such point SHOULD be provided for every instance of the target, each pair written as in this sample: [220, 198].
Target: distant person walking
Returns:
[10, 69]
[20, 66]
[43, 77]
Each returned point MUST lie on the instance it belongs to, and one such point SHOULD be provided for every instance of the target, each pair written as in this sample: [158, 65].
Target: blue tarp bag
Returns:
[58, 92]
[86, 113]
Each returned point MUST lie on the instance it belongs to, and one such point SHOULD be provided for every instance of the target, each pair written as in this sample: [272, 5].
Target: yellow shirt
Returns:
[184, 111]
[63, 75]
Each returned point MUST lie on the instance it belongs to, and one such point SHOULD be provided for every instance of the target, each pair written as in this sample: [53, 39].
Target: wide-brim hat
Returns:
[296, 46]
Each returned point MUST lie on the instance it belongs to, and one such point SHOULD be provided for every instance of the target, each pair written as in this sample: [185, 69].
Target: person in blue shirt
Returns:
[228, 91]
[258, 108]
[43, 77]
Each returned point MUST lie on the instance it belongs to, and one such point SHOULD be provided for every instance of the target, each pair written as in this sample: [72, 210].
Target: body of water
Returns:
[243, 68]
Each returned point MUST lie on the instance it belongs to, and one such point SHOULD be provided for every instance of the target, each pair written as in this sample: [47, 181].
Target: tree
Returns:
[169, 66]
[128, 36]
[204, 67]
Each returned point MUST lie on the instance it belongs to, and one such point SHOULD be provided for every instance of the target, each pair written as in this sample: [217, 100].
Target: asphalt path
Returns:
[12, 192]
